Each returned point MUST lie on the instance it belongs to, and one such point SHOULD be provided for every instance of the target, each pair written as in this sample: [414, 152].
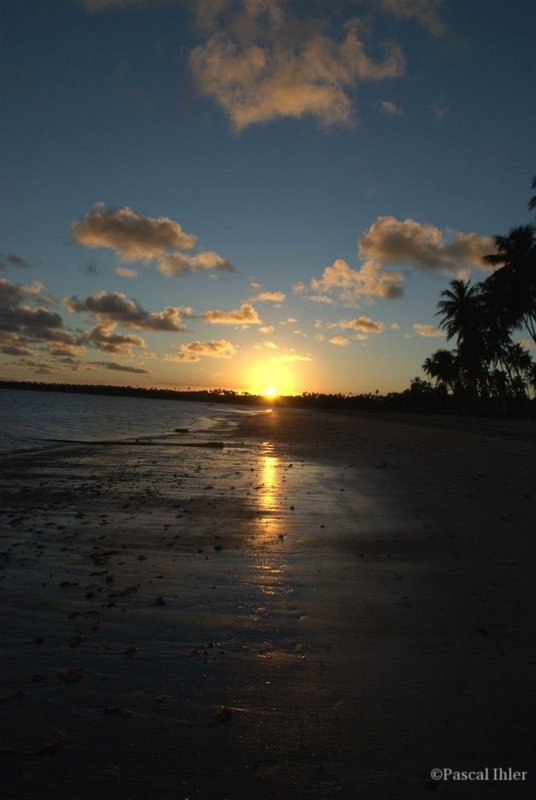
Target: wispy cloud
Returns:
[117, 367]
[391, 108]
[424, 11]
[427, 330]
[13, 260]
[137, 237]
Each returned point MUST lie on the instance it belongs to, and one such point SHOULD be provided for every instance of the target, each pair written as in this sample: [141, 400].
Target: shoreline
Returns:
[328, 606]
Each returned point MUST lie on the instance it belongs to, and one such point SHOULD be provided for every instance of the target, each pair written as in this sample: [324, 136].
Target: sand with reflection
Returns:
[326, 607]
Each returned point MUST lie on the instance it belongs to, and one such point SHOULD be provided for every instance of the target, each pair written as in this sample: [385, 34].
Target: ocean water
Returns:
[34, 419]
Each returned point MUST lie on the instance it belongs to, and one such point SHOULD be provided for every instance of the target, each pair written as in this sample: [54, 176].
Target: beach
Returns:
[298, 605]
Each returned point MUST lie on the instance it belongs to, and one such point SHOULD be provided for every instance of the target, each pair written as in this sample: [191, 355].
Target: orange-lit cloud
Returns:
[364, 324]
[349, 285]
[427, 330]
[194, 351]
[126, 272]
[340, 341]
[292, 356]
[269, 297]
[245, 315]
[137, 237]
[268, 64]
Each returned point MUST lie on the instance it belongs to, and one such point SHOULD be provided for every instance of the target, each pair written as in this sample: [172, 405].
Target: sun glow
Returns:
[270, 391]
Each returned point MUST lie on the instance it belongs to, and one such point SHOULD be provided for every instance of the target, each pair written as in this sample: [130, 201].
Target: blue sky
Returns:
[243, 193]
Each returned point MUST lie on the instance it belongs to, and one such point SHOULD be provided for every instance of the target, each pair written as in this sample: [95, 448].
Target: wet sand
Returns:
[327, 606]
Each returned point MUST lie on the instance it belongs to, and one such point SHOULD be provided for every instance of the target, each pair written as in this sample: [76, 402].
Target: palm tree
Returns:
[463, 317]
[532, 201]
[511, 289]
[443, 366]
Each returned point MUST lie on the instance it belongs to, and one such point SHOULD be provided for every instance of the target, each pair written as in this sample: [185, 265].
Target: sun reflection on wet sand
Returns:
[269, 536]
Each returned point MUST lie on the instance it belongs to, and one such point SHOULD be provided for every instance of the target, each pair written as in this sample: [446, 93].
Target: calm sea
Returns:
[33, 419]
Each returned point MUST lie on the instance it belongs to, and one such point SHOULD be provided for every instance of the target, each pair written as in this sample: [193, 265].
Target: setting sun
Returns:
[270, 392]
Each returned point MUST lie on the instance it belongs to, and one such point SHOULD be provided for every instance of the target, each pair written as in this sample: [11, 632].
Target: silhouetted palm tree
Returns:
[532, 201]
[511, 289]
[463, 317]
[443, 367]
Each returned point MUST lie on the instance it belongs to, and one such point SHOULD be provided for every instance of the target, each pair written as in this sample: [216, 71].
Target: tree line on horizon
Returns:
[488, 367]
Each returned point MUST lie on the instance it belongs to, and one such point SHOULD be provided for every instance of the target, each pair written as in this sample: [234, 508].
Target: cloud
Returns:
[364, 324]
[424, 11]
[340, 341]
[14, 260]
[24, 326]
[293, 357]
[269, 297]
[349, 285]
[413, 243]
[126, 272]
[267, 329]
[118, 308]
[104, 339]
[268, 64]
[390, 108]
[137, 237]
[321, 298]
[194, 351]
[245, 315]
[114, 365]
[180, 263]
[427, 330]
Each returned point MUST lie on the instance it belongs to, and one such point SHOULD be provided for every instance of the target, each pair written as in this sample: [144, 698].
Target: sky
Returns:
[245, 194]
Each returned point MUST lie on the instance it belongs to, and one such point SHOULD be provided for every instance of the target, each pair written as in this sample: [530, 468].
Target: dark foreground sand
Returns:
[326, 607]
